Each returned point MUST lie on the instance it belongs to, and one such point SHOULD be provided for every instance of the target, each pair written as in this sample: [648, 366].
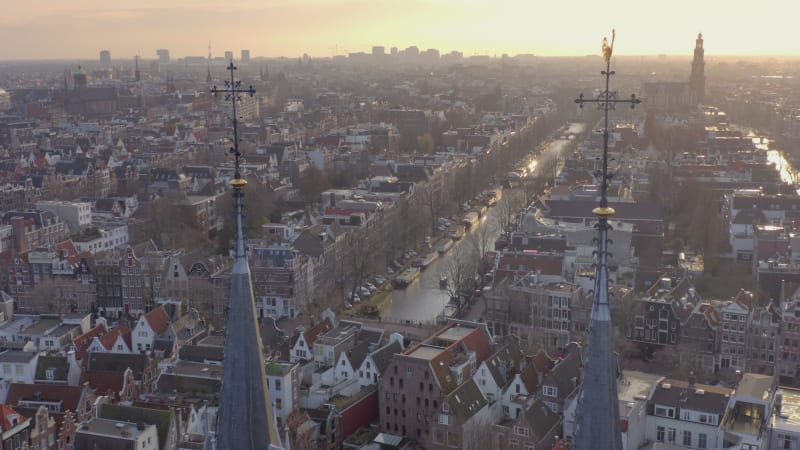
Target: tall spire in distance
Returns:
[245, 420]
[208, 62]
[697, 80]
[597, 425]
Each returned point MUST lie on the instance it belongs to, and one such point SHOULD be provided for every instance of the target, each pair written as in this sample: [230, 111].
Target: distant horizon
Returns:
[237, 57]
[51, 29]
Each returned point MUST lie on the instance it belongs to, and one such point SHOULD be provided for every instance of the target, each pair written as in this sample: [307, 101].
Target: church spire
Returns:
[697, 80]
[245, 420]
[597, 425]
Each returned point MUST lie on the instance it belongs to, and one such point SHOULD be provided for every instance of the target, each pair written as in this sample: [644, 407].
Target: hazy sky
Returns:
[75, 29]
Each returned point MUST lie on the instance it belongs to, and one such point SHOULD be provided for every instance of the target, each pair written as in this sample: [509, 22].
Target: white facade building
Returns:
[78, 215]
[104, 235]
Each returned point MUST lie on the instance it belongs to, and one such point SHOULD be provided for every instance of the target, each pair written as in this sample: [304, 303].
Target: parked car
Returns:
[355, 298]
[370, 286]
[348, 305]
[364, 292]
[380, 280]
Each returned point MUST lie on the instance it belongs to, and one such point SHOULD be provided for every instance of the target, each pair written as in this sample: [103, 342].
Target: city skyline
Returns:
[321, 28]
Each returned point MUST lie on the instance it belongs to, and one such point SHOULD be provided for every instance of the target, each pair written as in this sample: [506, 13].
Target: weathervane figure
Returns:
[597, 425]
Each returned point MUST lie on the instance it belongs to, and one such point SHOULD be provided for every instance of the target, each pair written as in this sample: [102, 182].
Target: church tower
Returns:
[245, 419]
[697, 81]
[597, 421]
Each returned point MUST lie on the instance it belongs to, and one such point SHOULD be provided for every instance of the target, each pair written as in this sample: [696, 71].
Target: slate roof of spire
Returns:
[245, 420]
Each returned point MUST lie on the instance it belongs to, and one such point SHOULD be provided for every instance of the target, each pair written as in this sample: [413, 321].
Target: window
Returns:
[278, 403]
[687, 437]
[671, 434]
[701, 440]
[550, 391]
[659, 434]
[665, 412]
[343, 363]
[408, 371]
[444, 419]
[521, 431]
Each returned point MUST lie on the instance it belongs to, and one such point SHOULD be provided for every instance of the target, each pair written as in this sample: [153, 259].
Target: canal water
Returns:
[423, 300]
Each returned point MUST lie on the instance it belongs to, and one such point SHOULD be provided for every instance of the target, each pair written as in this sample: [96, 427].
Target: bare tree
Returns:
[311, 184]
[359, 250]
[460, 271]
[507, 209]
[480, 239]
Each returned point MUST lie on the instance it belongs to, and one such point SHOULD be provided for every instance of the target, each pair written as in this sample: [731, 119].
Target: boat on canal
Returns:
[425, 260]
[406, 277]
[444, 245]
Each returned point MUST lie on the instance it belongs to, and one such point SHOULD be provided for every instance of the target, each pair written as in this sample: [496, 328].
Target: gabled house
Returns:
[81, 343]
[537, 427]
[143, 368]
[524, 385]
[495, 374]
[117, 386]
[117, 340]
[463, 415]
[148, 328]
[303, 342]
[699, 337]
[562, 381]
[346, 367]
[15, 428]
[375, 363]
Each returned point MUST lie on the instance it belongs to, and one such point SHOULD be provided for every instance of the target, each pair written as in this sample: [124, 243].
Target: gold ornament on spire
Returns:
[608, 49]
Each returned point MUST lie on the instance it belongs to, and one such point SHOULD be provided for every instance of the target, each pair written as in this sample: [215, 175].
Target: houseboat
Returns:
[470, 219]
[423, 261]
[406, 277]
[444, 245]
[456, 232]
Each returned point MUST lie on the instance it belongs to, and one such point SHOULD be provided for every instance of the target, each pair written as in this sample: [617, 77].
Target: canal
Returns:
[423, 300]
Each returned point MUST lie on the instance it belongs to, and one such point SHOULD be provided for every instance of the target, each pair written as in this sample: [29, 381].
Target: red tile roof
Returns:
[10, 418]
[69, 396]
[543, 362]
[107, 340]
[83, 341]
[312, 333]
[530, 378]
[158, 320]
[105, 382]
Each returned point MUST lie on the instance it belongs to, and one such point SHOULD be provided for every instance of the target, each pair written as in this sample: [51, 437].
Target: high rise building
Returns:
[137, 75]
[163, 55]
[245, 56]
[378, 51]
[697, 80]
[228, 55]
[105, 57]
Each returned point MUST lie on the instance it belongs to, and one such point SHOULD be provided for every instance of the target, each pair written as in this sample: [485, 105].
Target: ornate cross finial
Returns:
[233, 90]
[606, 100]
